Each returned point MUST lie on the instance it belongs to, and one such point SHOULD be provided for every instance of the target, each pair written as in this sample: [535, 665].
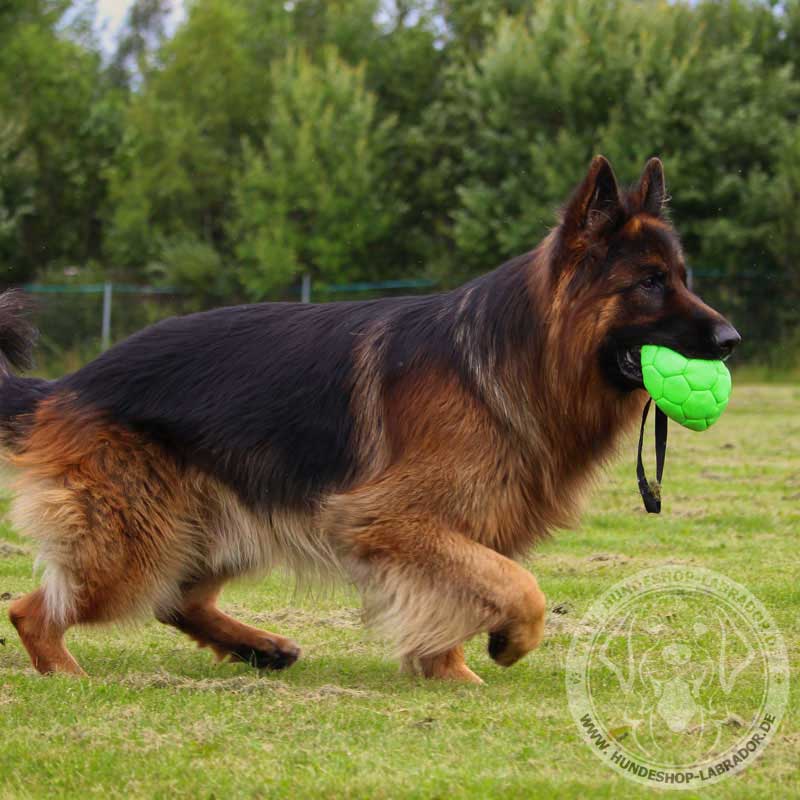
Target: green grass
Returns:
[157, 718]
[786, 373]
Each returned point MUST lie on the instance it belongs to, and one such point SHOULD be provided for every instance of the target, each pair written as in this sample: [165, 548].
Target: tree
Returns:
[357, 139]
[313, 196]
[470, 23]
[142, 36]
[210, 94]
[173, 178]
[58, 131]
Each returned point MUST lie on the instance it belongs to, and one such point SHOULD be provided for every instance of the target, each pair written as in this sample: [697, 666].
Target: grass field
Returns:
[157, 718]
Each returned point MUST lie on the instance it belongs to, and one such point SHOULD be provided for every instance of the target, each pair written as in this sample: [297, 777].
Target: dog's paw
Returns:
[498, 647]
[270, 655]
[508, 645]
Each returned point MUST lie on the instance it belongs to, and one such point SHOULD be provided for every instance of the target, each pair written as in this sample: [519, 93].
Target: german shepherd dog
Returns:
[416, 446]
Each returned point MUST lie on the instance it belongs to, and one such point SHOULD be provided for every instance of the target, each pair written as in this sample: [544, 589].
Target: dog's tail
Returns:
[19, 396]
[17, 334]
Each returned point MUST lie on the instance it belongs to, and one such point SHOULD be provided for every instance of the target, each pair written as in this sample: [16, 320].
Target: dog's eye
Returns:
[654, 281]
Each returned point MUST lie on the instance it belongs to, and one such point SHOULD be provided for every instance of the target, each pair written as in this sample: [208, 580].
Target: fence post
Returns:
[305, 288]
[105, 335]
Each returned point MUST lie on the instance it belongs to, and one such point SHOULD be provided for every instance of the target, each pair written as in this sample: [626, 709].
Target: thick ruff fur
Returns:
[415, 446]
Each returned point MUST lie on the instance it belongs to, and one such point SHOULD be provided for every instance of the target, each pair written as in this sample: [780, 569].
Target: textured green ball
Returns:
[691, 391]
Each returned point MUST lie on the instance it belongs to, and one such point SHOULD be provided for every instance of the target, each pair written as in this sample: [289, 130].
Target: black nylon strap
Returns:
[651, 492]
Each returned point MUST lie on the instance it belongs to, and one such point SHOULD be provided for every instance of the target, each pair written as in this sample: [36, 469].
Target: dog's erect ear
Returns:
[596, 201]
[652, 189]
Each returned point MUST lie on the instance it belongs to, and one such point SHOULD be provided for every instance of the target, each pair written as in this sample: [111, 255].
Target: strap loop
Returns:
[651, 492]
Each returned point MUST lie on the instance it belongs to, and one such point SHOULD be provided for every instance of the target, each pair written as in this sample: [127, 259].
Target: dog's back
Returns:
[261, 397]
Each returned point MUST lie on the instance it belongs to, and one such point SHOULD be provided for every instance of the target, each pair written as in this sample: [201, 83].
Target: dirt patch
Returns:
[300, 618]
[331, 690]
[616, 558]
[562, 619]
[563, 563]
[7, 550]
[712, 476]
[238, 684]
[565, 626]
[687, 513]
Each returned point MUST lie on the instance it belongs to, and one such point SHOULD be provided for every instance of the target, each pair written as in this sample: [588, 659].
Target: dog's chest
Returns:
[514, 501]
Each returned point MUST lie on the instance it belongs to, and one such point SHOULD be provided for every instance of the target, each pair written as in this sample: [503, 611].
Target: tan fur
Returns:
[446, 666]
[123, 532]
[236, 541]
[368, 402]
[42, 637]
[104, 506]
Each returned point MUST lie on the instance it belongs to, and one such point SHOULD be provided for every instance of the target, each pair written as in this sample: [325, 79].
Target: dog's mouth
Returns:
[629, 362]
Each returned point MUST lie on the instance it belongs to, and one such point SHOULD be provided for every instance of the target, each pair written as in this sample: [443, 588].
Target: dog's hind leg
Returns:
[105, 506]
[42, 637]
[197, 616]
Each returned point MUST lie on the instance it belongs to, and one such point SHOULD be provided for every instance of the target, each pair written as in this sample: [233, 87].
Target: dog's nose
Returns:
[726, 337]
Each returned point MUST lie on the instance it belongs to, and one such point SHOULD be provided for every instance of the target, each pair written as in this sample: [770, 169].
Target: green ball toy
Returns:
[692, 391]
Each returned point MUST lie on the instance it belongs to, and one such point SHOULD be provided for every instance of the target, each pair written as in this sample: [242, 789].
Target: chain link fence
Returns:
[78, 321]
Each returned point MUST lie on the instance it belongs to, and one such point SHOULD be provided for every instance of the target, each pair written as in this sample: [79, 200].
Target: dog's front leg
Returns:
[448, 666]
[429, 588]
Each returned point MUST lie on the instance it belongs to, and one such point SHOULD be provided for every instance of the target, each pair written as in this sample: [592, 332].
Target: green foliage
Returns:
[469, 23]
[310, 198]
[357, 139]
[142, 36]
[174, 172]
[192, 265]
[58, 123]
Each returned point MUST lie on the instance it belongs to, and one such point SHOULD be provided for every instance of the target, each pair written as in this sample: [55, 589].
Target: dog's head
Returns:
[617, 264]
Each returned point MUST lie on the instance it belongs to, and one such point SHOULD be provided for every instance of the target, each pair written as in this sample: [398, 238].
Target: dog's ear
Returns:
[596, 203]
[652, 189]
